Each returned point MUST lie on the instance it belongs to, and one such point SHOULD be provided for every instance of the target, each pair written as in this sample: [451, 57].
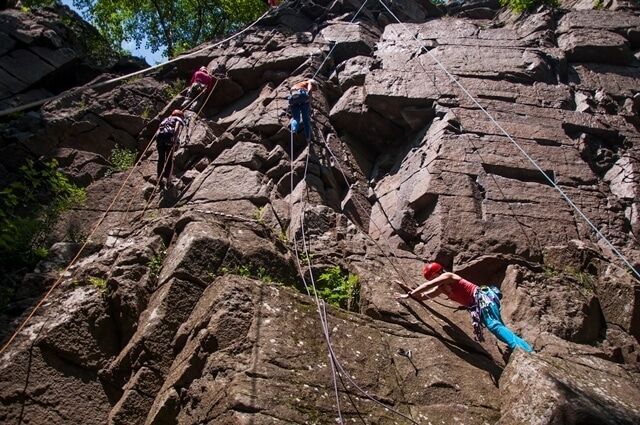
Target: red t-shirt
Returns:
[462, 292]
[202, 78]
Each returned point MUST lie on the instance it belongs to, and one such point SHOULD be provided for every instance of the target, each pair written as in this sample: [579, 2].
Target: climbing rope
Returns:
[335, 44]
[517, 145]
[312, 293]
[336, 367]
[173, 147]
[75, 258]
[110, 207]
[398, 271]
[133, 74]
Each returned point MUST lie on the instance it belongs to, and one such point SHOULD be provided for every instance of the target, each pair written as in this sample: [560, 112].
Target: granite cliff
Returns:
[203, 317]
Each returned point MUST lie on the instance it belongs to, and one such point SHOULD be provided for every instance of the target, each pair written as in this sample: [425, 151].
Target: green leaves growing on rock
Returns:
[338, 288]
[520, 6]
[122, 159]
[29, 207]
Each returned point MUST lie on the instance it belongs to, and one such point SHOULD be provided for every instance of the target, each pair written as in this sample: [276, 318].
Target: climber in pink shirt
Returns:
[201, 82]
[483, 302]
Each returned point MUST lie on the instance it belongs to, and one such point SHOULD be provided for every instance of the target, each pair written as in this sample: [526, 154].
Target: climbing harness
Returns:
[110, 207]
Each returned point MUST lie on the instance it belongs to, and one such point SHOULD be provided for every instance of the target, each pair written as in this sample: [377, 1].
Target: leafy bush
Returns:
[5, 297]
[28, 209]
[122, 159]
[147, 112]
[98, 283]
[258, 214]
[155, 264]
[175, 88]
[520, 6]
[339, 289]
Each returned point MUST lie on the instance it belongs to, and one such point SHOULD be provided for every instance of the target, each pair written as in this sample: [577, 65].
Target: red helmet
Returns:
[177, 112]
[431, 269]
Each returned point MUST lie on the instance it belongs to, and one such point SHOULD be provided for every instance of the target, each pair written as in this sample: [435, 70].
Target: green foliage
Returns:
[520, 6]
[171, 25]
[258, 214]
[37, 3]
[28, 209]
[339, 289]
[5, 297]
[122, 159]
[549, 271]
[98, 283]
[27, 5]
[251, 270]
[238, 269]
[175, 88]
[282, 237]
[585, 279]
[598, 4]
[305, 257]
[155, 264]
[147, 112]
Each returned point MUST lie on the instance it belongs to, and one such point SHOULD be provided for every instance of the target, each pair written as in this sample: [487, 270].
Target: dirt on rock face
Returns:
[189, 304]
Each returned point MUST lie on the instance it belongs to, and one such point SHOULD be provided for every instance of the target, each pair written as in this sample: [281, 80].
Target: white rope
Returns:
[124, 77]
[335, 44]
[533, 162]
[304, 280]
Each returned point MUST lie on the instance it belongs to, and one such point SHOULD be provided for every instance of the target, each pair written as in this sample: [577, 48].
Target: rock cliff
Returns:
[204, 317]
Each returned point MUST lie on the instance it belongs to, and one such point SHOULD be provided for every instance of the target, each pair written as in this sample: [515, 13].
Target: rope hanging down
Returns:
[111, 205]
[304, 280]
[124, 77]
[398, 271]
[335, 44]
[336, 368]
[517, 145]
[75, 258]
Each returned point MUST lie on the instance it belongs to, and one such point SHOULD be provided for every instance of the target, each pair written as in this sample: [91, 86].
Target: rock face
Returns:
[46, 51]
[193, 304]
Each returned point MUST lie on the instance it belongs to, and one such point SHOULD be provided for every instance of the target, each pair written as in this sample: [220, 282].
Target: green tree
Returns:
[520, 6]
[171, 25]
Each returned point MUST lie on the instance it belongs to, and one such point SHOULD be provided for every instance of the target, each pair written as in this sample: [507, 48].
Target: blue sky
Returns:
[152, 58]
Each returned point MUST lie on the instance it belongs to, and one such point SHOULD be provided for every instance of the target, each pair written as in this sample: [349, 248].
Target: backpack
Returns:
[168, 125]
[299, 97]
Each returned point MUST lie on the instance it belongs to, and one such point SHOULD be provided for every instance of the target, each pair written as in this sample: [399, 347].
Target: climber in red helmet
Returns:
[166, 139]
[201, 82]
[483, 303]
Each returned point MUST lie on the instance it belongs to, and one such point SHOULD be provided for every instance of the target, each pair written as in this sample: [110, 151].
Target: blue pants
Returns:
[303, 109]
[493, 321]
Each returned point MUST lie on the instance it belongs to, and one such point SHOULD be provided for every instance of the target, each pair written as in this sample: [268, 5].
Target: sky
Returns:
[151, 58]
